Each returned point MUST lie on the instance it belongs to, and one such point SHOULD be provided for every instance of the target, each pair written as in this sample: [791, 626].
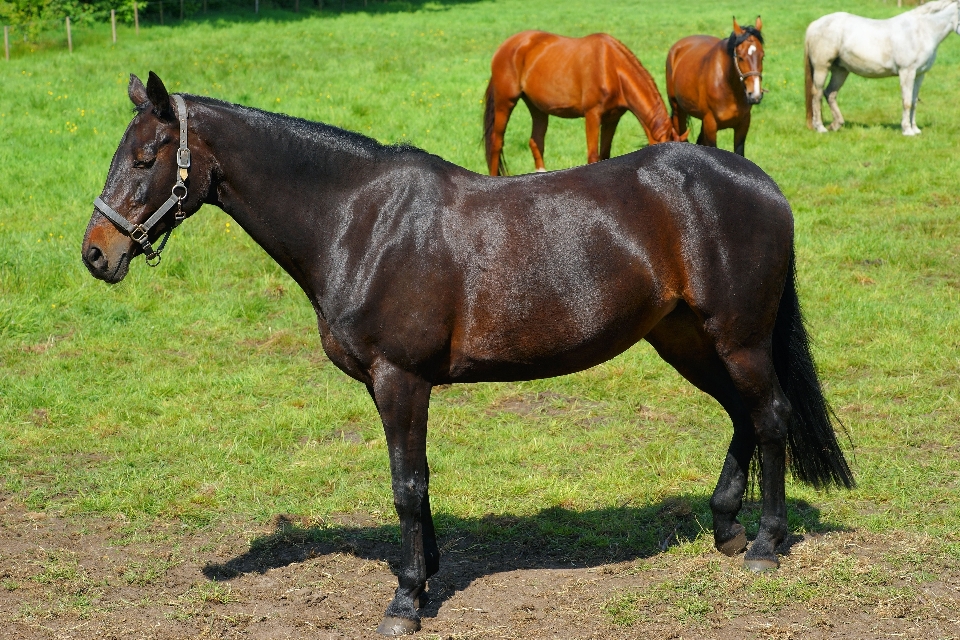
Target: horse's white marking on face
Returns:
[751, 50]
[756, 84]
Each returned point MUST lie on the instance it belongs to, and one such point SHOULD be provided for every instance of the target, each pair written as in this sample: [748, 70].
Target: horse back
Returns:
[560, 271]
[560, 75]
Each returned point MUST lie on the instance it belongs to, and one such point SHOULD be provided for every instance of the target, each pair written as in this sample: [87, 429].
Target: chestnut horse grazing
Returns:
[595, 77]
[423, 273]
[717, 81]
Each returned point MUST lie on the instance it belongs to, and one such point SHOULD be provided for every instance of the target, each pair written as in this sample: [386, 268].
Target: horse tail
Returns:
[815, 455]
[808, 82]
[489, 116]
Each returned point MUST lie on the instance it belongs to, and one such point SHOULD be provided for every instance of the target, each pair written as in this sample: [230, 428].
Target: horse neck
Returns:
[644, 101]
[940, 21]
[284, 181]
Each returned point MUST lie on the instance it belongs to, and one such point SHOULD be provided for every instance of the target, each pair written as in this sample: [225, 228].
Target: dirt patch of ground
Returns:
[69, 577]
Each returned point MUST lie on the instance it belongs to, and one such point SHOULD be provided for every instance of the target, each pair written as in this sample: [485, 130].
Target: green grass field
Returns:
[198, 390]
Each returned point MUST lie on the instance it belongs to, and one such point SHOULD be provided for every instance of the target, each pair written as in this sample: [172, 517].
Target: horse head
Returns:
[151, 185]
[745, 47]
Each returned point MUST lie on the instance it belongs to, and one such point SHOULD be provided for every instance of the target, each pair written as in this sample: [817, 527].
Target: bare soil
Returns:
[82, 577]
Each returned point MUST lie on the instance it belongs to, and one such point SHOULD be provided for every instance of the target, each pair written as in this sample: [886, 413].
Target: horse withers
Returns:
[904, 46]
[424, 273]
[595, 77]
[718, 81]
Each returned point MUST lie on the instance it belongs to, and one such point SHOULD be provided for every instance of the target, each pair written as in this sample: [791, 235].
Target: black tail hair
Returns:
[815, 455]
[489, 114]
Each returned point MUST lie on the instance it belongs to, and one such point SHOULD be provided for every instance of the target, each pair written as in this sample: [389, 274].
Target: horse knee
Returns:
[772, 425]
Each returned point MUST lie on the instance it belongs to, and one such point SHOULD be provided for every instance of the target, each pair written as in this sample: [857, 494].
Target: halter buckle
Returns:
[138, 234]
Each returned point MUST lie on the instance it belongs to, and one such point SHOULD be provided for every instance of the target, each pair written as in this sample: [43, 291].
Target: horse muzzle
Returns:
[754, 98]
[106, 258]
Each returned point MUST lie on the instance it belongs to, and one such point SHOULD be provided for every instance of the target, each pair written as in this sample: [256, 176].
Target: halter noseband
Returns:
[140, 233]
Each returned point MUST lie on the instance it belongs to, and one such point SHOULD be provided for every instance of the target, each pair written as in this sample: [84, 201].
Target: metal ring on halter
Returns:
[173, 191]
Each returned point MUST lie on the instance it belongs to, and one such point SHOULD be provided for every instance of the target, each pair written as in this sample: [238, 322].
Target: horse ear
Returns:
[758, 24]
[736, 27]
[159, 98]
[137, 92]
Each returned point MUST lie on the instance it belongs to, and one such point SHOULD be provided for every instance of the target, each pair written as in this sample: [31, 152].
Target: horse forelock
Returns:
[735, 40]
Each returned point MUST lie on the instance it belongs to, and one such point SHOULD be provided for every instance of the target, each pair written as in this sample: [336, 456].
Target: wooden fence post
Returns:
[6, 41]
[113, 24]
[256, 6]
[136, 18]
[69, 37]
[161, 11]
[181, 10]
[296, 6]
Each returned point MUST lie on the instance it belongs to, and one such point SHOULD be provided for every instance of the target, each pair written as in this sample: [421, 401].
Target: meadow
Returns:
[196, 395]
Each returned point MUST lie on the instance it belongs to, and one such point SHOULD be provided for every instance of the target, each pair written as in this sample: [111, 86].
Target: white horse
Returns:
[905, 46]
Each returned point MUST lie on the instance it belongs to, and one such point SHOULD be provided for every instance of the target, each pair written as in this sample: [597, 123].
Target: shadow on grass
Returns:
[284, 11]
[475, 547]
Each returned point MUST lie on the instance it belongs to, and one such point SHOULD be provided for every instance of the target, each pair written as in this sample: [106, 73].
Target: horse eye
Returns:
[144, 164]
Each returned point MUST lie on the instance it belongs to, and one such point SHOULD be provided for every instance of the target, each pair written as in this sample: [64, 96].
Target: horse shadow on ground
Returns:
[288, 11]
[471, 548]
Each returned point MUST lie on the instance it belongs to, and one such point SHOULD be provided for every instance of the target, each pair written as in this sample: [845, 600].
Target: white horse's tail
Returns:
[808, 81]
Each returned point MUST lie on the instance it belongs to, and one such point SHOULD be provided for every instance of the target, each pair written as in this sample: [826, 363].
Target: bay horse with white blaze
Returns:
[904, 46]
[717, 81]
[424, 273]
[595, 77]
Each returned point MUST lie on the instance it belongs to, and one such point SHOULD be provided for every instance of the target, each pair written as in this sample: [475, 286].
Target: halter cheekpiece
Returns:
[140, 233]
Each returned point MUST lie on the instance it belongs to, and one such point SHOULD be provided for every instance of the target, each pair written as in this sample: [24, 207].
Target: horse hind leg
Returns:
[838, 75]
[816, 96]
[681, 341]
[753, 374]
[608, 127]
[913, 104]
[537, 134]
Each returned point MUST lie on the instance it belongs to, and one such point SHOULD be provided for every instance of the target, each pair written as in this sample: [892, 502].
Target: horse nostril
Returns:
[96, 259]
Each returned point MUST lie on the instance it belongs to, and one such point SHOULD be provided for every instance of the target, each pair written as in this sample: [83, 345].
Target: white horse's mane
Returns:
[931, 7]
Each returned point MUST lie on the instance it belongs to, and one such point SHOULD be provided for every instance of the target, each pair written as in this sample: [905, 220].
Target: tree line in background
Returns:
[31, 17]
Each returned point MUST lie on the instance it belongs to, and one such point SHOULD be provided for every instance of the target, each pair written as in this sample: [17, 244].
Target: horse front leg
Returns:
[402, 400]
[708, 133]
[908, 79]
[740, 134]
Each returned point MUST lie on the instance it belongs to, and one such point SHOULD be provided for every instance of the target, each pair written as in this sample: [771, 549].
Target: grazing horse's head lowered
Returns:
[745, 47]
[151, 186]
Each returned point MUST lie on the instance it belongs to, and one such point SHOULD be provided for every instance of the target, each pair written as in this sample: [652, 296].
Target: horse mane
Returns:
[735, 41]
[644, 76]
[933, 7]
[285, 126]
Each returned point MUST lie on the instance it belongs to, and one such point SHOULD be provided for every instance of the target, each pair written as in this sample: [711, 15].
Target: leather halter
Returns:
[140, 233]
[748, 74]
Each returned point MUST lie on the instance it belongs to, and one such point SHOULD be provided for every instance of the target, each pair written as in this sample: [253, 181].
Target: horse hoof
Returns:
[541, 170]
[734, 545]
[392, 626]
[760, 565]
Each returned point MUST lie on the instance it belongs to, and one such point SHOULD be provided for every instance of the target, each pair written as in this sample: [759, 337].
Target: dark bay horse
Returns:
[595, 77]
[424, 273]
[717, 81]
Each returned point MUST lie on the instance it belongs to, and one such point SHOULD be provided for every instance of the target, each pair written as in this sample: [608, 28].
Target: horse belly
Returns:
[560, 295]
